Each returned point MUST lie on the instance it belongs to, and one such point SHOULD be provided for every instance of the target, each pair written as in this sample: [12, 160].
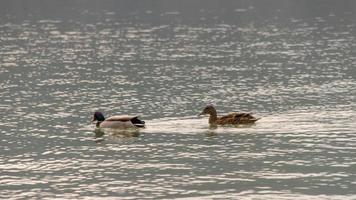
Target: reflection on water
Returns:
[100, 132]
[294, 68]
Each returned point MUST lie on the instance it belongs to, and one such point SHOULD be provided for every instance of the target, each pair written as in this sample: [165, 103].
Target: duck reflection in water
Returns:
[117, 133]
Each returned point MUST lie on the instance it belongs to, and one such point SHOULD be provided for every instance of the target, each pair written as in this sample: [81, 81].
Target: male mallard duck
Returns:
[123, 121]
[231, 118]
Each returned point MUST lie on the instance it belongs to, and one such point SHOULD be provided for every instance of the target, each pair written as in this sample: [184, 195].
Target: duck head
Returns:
[209, 109]
[98, 116]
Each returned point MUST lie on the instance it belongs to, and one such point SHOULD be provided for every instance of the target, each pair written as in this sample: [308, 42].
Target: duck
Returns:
[118, 121]
[234, 118]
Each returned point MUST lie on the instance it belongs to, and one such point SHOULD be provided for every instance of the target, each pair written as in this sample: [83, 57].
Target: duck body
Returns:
[234, 118]
[116, 122]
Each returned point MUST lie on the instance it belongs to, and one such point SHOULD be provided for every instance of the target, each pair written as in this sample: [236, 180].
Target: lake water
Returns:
[292, 63]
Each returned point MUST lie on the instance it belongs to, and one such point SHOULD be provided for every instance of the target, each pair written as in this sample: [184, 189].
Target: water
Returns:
[290, 62]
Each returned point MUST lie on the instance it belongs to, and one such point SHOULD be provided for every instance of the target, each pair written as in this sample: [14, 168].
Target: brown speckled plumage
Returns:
[235, 118]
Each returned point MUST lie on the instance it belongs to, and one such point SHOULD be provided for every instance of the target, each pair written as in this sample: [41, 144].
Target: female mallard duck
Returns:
[229, 119]
[123, 121]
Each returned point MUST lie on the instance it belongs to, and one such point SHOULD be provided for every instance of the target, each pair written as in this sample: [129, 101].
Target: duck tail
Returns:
[137, 122]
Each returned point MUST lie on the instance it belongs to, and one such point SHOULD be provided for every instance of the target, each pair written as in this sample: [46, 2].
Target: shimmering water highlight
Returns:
[290, 63]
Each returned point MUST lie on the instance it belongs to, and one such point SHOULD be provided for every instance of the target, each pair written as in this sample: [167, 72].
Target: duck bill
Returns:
[93, 120]
[202, 113]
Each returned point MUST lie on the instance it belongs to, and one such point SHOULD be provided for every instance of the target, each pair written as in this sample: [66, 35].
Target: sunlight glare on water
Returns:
[290, 63]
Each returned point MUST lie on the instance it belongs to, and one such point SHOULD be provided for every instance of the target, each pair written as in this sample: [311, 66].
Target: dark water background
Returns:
[290, 62]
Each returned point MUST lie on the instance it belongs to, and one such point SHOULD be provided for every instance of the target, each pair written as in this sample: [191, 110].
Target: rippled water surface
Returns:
[292, 63]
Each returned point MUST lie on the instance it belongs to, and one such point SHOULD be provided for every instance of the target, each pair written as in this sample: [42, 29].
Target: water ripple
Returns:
[297, 74]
